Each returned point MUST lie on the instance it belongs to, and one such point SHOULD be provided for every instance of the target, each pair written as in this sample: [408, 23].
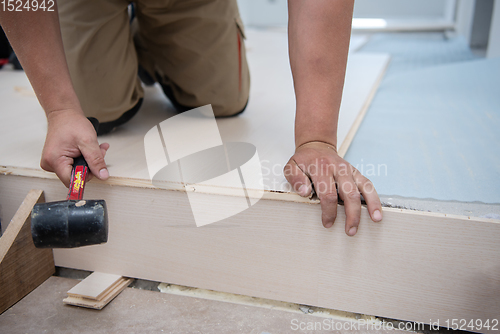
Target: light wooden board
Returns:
[22, 266]
[414, 265]
[107, 294]
[94, 285]
[268, 122]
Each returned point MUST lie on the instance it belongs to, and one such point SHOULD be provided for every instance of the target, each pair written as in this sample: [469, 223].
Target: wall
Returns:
[400, 9]
[494, 42]
[481, 24]
[274, 12]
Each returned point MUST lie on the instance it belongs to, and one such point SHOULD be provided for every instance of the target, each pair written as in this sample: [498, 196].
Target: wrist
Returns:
[316, 143]
[56, 118]
[316, 124]
[76, 111]
[58, 98]
[314, 136]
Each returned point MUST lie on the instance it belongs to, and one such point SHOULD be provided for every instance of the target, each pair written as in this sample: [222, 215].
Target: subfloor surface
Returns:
[140, 311]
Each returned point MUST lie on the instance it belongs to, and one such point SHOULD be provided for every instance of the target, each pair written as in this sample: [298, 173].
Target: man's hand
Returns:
[69, 135]
[319, 162]
[318, 35]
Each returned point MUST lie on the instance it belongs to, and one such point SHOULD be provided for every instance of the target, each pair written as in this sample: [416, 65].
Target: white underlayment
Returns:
[268, 122]
[261, 302]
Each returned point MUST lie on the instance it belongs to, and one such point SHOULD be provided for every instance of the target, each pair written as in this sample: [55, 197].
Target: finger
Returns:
[324, 185]
[295, 176]
[63, 167]
[104, 148]
[370, 195]
[349, 193]
[94, 156]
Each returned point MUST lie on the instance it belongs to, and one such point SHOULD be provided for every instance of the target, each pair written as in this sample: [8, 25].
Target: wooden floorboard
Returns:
[22, 266]
[267, 123]
[97, 290]
[413, 266]
[94, 286]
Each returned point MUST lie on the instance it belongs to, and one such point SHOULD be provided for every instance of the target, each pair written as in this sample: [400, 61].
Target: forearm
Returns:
[36, 39]
[319, 34]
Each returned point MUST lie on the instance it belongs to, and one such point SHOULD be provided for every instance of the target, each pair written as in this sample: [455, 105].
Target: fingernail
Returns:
[353, 230]
[103, 174]
[328, 225]
[303, 190]
[377, 216]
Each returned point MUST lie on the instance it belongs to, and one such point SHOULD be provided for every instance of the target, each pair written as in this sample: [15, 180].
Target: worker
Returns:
[85, 61]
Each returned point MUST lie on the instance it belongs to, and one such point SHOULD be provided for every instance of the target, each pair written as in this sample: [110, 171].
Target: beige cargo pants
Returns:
[194, 48]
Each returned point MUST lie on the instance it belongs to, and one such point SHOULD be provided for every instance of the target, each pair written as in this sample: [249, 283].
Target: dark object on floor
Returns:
[107, 127]
[7, 55]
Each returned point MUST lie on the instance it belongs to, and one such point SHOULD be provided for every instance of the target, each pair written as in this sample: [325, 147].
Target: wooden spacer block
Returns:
[97, 290]
[23, 267]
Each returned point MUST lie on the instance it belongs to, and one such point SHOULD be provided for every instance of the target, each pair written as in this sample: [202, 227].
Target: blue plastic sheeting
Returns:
[434, 133]
[416, 51]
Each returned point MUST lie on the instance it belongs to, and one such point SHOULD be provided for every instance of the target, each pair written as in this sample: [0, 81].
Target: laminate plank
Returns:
[415, 266]
[105, 297]
[267, 123]
[94, 285]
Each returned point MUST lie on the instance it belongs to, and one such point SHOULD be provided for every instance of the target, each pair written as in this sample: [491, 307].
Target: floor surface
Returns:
[140, 311]
[431, 131]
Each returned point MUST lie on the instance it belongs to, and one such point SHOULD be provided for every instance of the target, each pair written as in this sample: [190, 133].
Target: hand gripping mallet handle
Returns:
[74, 222]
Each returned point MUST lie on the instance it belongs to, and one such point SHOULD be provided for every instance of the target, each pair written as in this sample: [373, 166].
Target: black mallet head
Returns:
[69, 224]
[75, 222]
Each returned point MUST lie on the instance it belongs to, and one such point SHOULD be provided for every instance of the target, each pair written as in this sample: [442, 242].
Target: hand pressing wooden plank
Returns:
[22, 266]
